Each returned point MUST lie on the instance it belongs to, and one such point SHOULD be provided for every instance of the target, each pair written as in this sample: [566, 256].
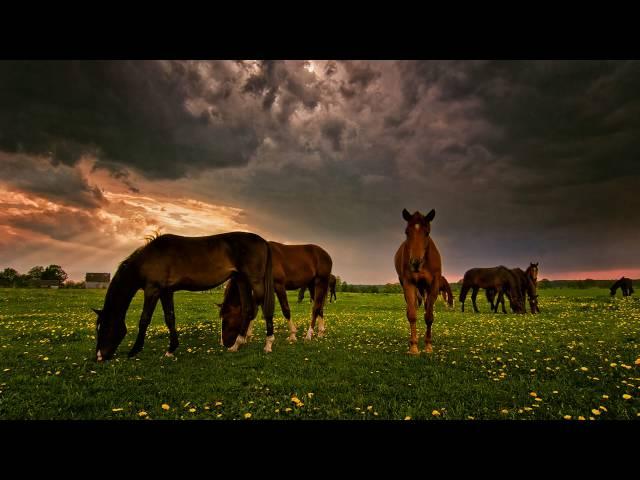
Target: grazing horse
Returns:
[332, 290]
[499, 279]
[298, 266]
[445, 291]
[419, 269]
[625, 285]
[527, 288]
[171, 262]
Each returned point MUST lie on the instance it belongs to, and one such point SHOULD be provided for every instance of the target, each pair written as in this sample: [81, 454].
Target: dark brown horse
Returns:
[332, 290]
[625, 284]
[298, 266]
[499, 279]
[527, 289]
[419, 269]
[171, 262]
[445, 291]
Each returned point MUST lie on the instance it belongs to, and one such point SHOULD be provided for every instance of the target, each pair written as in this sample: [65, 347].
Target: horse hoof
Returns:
[428, 349]
[169, 354]
[293, 338]
[309, 335]
[413, 350]
[321, 334]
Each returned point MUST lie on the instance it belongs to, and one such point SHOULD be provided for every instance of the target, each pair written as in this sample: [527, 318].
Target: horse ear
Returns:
[406, 215]
[430, 215]
[98, 312]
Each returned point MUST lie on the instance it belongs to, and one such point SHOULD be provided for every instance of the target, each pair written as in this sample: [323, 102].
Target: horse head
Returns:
[417, 232]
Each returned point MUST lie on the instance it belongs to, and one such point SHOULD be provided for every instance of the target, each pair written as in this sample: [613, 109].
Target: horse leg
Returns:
[166, 299]
[258, 295]
[463, 294]
[281, 293]
[151, 296]
[410, 293]
[429, 301]
[490, 292]
[474, 294]
[320, 293]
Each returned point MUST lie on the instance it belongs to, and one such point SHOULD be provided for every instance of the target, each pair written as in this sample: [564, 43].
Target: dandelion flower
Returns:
[165, 406]
[584, 369]
[435, 413]
[581, 417]
[533, 394]
[247, 415]
[117, 409]
[142, 413]
[504, 411]
[626, 396]
[407, 417]
[595, 411]
[567, 417]
[192, 410]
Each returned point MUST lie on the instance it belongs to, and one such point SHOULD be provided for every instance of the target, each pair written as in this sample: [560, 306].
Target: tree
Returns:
[54, 272]
[8, 277]
[36, 273]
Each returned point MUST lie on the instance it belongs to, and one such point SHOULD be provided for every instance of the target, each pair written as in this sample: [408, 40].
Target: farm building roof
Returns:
[97, 277]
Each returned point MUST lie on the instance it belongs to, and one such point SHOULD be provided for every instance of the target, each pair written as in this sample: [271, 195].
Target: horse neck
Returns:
[120, 293]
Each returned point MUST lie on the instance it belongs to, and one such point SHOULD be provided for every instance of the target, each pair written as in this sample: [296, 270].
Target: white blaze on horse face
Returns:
[99, 356]
[417, 226]
[269, 342]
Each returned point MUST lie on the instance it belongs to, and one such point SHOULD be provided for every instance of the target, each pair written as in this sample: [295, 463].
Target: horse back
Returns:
[297, 265]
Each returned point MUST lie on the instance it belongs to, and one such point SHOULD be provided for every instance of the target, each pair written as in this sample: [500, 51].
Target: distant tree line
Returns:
[10, 277]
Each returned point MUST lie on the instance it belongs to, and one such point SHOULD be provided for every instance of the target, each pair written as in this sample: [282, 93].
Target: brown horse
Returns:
[625, 284]
[527, 288]
[499, 279]
[445, 291]
[419, 269]
[171, 262]
[298, 266]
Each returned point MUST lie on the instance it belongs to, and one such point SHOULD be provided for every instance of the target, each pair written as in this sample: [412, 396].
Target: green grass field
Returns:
[578, 358]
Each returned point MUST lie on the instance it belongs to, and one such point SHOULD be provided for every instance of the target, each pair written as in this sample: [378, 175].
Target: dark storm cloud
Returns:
[56, 182]
[133, 113]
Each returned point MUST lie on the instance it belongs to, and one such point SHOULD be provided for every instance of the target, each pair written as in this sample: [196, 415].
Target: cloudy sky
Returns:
[522, 161]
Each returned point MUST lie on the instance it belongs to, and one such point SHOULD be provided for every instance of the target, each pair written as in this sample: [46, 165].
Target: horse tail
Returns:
[269, 292]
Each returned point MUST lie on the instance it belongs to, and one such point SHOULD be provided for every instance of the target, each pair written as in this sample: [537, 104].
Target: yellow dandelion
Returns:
[595, 411]
[567, 417]
[192, 410]
[584, 369]
[581, 418]
[295, 400]
[435, 413]
[218, 404]
[370, 407]
[165, 406]
[614, 365]
[504, 411]
[310, 394]
[247, 415]
[142, 413]
[407, 417]
[626, 396]
[533, 394]
[637, 362]
[287, 409]
[604, 409]
[605, 396]
[117, 409]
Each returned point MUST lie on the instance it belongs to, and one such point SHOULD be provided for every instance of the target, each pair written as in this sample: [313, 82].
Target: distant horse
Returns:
[499, 279]
[445, 291]
[419, 269]
[332, 290]
[527, 288]
[171, 262]
[297, 266]
[625, 285]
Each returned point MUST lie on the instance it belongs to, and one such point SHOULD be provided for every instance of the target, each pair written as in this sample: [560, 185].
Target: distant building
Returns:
[48, 283]
[97, 280]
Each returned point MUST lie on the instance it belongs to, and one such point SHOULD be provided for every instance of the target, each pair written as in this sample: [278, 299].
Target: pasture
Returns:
[578, 359]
